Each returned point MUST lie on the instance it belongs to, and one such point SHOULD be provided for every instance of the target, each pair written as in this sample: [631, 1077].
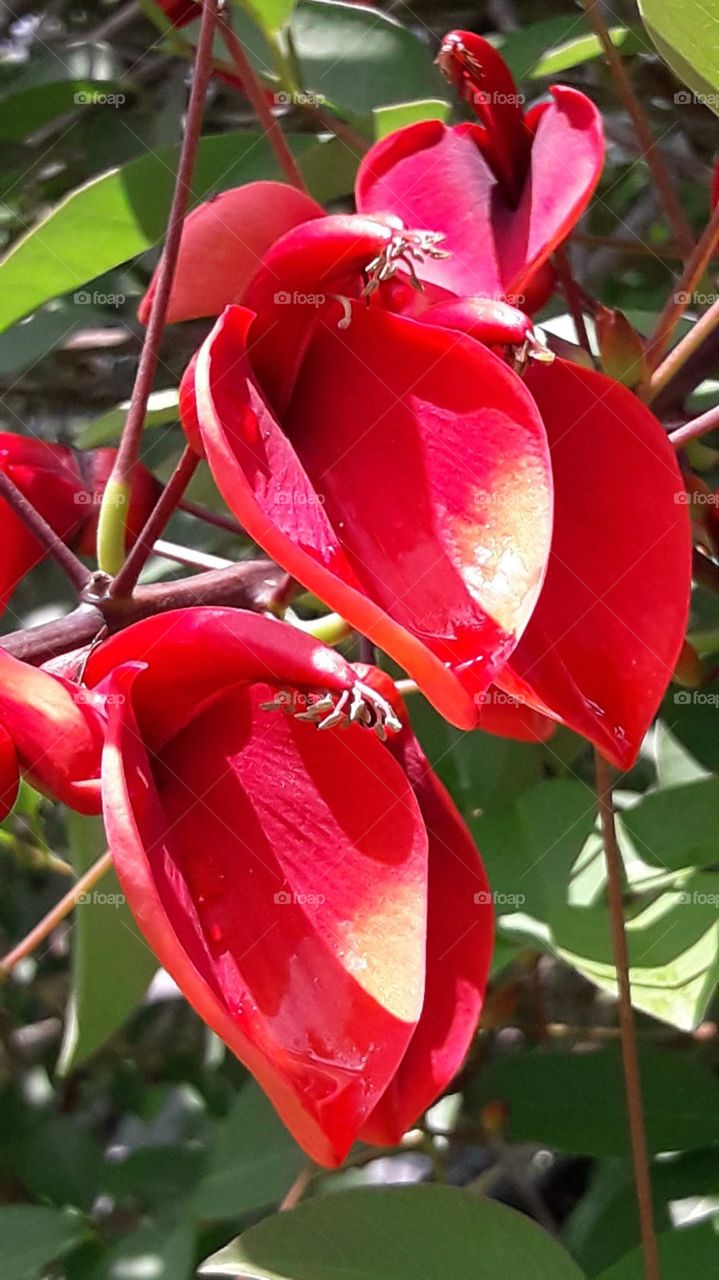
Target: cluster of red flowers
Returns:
[382, 418]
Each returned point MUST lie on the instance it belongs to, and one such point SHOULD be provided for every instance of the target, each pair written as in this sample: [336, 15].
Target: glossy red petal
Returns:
[279, 874]
[605, 636]
[409, 488]
[460, 930]
[439, 178]
[223, 243]
[56, 731]
[195, 653]
[48, 475]
[9, 774]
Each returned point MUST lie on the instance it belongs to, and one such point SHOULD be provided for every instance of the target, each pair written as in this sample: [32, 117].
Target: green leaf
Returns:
[688, 1251]
[555, 44]
[677, 826]
[687, 36]
[576, 1102]
[358, 58]
[252, 1162]
[112, 964]
[162, 409]
[32, 1236]
[154, 1251]
[416, 1233]
[123, 213]
[388, 119]
[270, 15]
[83, 79]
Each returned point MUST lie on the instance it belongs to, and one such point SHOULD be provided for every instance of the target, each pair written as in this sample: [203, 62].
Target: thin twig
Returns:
[678, 356]
[211, 517]
[697, 427]
[129, 446]
[630, 1057]
[253, 88]
[299, 1186]
[189, 557]
[572, 296]
[672, 209]
[75, 570]
[155, 523]
[55, 915]
[679, 300]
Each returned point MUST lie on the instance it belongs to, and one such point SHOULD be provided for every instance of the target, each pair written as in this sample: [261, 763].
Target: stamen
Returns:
[358, 705]
[346, 306]
[404, 249]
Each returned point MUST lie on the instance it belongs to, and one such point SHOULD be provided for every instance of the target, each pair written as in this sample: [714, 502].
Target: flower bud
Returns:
[621, 348]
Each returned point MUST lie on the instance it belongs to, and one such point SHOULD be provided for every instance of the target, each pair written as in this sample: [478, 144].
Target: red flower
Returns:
[66, 487]
[504, 192]
[276, 863]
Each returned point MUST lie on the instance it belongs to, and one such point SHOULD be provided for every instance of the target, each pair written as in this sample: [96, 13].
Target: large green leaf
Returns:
[686, 33]
[416, 1233]
[83, 79]
[270, 15]
[112, 964]
[678, 826]
[31, 1236]
[123, 213]
[576, 1101]
[358, 58]
[683, 1254]
[553, 45]
[252, 1163]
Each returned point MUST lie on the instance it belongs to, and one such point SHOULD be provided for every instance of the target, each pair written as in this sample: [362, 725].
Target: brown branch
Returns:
[75, 570]
[630, 1058]
[254, 90]
[649, 151]
[259, 585]
[211, 517]
[129, 446]
[572, 295]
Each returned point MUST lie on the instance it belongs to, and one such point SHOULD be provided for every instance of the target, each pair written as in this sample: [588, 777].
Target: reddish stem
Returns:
[211, 517]
[697, 427]
[630, 1057]
[253, 88]
[76, 571]
[679, 300]
[155, 523]
[573, 296]
[649, 151]
[129, 446]
[55, 915]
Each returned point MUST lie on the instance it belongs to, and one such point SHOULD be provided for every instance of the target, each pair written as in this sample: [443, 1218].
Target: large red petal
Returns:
[410, 488]
[194, 653]
[223, 243]
[279, 874]
[439, 178]
[460, 929]
[9, 774]
[605, 636]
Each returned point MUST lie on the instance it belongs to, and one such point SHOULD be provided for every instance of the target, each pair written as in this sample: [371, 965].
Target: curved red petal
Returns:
[439, 178]
[194, 653]
[410, 488]
[605, 636]
[279, 874]
[223, 243]
[460, 930]
[56, 731]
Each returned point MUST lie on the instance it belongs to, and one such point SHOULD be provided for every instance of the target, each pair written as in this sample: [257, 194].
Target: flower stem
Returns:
[649, 151]
[75, 570]
[113, 515]
[253, 88]
[679, 355]
[697, 427]
[630, 1058]
[55, 915]
[678, 301]
[155, 523]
